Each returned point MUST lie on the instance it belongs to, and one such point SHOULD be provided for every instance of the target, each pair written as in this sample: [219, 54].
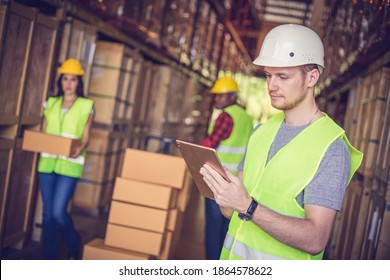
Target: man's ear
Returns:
[313, 77]
[233, 97]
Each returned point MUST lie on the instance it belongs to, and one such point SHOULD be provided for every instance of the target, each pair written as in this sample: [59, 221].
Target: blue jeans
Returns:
[216, 229]
[57, 190]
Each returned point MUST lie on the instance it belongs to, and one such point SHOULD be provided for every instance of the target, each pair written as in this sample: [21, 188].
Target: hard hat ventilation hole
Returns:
[291, 54]
[308, 57]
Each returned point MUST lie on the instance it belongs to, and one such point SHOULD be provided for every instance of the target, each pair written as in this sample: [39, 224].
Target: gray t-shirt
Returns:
[328, 186]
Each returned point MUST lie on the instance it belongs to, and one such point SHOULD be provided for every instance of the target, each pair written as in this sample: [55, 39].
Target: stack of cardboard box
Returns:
[113, 82]
[147, 208]
[113, 88]
[105, 154]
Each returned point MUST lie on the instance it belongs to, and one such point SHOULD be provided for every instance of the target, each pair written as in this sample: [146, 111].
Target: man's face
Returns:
[287, 87]
[223, 100]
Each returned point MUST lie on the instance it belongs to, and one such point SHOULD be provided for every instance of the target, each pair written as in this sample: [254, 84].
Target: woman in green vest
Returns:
[68, 114]
[283, 202]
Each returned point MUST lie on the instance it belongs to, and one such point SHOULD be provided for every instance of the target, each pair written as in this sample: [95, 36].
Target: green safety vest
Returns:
[72, 125]
[277, 184]
[231, 150]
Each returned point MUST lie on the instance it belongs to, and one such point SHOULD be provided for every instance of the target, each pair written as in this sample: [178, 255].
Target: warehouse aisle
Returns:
[189, 247]
[191, 242]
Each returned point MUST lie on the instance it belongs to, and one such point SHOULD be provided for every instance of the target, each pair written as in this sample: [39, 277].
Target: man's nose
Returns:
[271, 84]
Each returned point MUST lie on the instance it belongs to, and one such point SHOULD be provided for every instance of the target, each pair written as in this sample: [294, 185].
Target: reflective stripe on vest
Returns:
[306, 151]
[69, 135]
[244, 252]
[231, 166]
[47, 155]
[231, 150]
[238, 151]
[79, 160]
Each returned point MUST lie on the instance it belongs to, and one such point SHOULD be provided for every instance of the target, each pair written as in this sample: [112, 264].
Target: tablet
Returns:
[195, 156]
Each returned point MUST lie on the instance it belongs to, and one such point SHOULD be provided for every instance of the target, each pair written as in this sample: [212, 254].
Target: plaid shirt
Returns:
[222, 129]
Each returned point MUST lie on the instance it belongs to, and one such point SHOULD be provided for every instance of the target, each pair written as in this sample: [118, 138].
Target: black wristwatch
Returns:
[248, 214]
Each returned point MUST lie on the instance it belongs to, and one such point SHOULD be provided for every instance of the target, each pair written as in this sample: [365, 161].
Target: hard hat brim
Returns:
[274, 62]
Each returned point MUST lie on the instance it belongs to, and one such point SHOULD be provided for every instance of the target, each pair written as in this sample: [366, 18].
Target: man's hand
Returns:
[231, 194]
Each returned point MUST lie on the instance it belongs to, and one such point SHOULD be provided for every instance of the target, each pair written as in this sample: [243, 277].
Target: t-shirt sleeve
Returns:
[328, 186]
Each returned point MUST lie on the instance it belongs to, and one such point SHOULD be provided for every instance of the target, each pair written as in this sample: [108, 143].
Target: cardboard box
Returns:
[97, 167]
[96, 250]
[105, 153]
[112, 62]
[142, 193]
[106, 141]
[36, 141]
[137, 216]
[168, 247]
[172, 218]
[110, 109]
[184, 194]
[133, 239]
[154, 168]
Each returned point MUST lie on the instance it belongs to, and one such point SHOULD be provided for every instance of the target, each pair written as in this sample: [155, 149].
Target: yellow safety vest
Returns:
[232, 150]
[72, 125]
[277, 184]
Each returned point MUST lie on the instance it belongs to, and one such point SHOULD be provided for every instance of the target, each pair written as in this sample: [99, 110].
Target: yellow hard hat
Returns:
[224, 85]
[71, 66]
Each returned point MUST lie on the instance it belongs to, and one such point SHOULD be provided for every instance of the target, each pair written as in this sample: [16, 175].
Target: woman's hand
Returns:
[85, 139]
[231, 194]
[76, 151]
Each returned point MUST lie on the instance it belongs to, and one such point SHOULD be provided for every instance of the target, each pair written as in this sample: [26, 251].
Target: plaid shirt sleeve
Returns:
[222, 129]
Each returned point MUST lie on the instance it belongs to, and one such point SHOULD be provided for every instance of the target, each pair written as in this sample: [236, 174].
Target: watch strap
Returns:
[247, 215]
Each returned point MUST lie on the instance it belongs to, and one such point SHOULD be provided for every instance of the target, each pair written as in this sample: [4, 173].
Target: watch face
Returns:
[245, 216]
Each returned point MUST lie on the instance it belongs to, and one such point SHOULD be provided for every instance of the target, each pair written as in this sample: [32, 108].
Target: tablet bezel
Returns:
[195, 156]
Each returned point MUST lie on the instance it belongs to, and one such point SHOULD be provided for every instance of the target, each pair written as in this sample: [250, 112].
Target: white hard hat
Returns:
[291, 45]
